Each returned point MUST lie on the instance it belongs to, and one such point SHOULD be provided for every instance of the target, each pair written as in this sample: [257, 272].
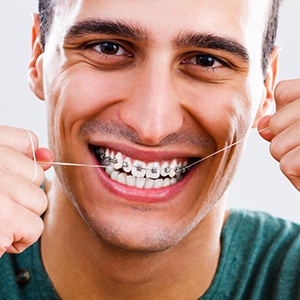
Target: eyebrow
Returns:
[211, 41]
[116, 28]
[134, 31]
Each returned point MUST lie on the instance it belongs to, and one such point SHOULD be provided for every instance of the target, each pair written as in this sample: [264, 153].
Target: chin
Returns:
[138, 234]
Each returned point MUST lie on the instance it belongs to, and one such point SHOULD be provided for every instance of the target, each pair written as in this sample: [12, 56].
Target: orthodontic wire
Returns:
[98, 166]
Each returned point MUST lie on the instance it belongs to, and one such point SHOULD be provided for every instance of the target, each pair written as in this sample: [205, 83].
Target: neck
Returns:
[69, 247]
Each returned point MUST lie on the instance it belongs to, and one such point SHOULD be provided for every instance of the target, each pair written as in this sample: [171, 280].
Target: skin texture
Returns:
[113, 94]
[152, 101]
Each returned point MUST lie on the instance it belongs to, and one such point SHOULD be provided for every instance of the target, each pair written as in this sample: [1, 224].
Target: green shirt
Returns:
[260, 259]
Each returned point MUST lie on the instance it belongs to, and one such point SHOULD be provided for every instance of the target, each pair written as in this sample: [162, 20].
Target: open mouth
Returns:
[139, 174]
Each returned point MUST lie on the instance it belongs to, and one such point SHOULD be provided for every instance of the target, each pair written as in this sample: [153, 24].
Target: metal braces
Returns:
[108, 159]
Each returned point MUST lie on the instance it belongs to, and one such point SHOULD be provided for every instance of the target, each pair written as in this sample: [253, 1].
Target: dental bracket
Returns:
[140, 168]
[154, 170]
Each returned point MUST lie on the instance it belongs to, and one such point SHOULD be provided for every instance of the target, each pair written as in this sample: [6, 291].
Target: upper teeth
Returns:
[140, 169]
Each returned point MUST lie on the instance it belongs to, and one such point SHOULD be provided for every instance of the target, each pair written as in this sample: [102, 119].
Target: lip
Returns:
[146, 196]
[144, 155]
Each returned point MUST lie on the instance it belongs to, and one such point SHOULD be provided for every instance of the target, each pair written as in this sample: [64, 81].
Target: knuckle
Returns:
[275, 149]
[290, 168]
[40, 175]
[273, 125]
[281, 91]
[43, 202]
[38, 200]
[36, 229]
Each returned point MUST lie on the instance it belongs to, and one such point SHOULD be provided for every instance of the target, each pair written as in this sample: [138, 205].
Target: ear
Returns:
[35, 68]
[270, 83]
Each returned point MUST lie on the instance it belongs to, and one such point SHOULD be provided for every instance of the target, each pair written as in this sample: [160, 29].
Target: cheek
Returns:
[80, 94]
[225, 111]
[87, 93]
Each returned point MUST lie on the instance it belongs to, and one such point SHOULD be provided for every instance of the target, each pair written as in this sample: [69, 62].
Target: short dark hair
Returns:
[46, 11]
[270, 34]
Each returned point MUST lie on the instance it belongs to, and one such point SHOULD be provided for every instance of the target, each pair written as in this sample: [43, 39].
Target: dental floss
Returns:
[33, 154]
[184, 168]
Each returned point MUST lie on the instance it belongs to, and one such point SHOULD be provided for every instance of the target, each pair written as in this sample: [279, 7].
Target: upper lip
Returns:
[149, 155]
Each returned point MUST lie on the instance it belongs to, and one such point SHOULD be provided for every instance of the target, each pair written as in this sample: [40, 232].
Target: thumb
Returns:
[263, 128]
[44, 155]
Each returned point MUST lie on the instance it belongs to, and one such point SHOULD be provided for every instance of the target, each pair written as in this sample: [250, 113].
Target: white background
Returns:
[258, 184]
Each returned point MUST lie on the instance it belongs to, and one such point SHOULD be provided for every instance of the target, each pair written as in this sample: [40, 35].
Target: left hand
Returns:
[284, 129]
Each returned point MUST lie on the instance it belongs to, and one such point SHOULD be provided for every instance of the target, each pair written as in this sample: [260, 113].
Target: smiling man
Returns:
[145, 90]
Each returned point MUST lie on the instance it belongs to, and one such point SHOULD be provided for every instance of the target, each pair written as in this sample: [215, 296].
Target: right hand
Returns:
[22, 201]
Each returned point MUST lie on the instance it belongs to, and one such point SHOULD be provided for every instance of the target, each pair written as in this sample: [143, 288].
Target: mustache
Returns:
[121, 132]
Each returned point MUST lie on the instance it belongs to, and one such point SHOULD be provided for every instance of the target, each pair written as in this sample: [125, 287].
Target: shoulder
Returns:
[259, 224]
[261, 237]
[260, 258]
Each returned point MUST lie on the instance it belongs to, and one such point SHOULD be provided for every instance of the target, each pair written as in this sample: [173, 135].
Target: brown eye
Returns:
[205, 61]
[110, 48]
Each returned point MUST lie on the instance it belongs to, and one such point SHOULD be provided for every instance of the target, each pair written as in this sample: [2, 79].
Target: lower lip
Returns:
[144, 195]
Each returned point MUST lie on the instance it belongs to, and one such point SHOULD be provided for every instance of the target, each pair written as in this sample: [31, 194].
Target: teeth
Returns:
[119, 161]
[140, 182]
[130, 180]
[127, 166]
[166, 182]
[149, 183]
[165, 169]
[172, 168]
[178, 169]
[158, 183]
[109, 170]
[122, 178]
[138, 169]
[173, 181]
[107, 156]
[139, 174]
[114, 175]
[153, 170]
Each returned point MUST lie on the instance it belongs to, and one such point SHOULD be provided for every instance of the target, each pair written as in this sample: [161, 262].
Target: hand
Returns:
[21, 200]
[284, 129]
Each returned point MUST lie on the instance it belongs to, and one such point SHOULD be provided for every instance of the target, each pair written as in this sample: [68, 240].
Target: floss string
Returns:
[34, 156]
[184, 168]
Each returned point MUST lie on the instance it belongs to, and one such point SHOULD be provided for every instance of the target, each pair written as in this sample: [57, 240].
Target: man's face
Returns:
[156, 85]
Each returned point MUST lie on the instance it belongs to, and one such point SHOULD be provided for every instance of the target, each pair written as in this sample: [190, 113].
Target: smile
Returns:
[140, 174]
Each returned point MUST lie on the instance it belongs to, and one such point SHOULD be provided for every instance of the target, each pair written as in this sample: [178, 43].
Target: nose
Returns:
[153, 108]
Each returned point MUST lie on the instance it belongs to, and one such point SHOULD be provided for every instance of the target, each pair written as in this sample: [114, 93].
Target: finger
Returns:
[17, 163]
[290, 166]
[285, 117]
[264, 130]
[26, 194]
[44, 155]
[20, 228]
[18, 139]
[286, 92]
[285, 141]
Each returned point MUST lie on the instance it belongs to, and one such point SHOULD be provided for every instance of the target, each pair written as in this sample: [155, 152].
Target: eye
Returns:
[110, 48]
[205, 61]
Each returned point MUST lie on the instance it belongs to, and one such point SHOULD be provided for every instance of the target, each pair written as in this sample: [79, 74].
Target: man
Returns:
[144, 97]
